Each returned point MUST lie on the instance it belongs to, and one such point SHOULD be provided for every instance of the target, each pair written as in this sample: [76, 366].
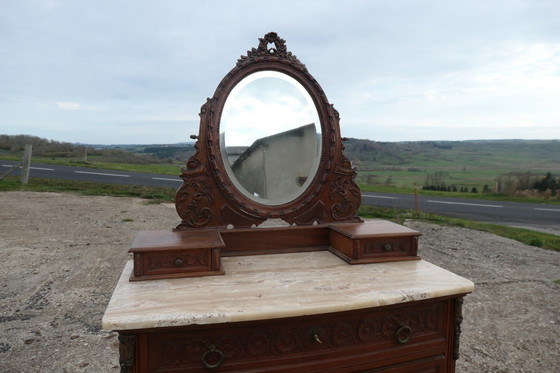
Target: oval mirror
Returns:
[270, 137]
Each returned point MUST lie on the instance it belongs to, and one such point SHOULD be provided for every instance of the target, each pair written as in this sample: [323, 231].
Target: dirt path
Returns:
[61, 255]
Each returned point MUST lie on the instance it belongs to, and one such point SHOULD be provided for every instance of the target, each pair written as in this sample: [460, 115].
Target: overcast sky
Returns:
[138, 71]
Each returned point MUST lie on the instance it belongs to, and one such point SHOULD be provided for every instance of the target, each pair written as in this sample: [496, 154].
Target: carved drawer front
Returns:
[394, 246]
[374, 241]
[176, 261]
[342, 342]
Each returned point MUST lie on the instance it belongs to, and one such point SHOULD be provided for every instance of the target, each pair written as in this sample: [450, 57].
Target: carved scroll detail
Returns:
[344, 191]
[264, 50]
[209, 198]
[127, 347]
[194, 202]
[245, 344]
[458, 321]
[194, 161]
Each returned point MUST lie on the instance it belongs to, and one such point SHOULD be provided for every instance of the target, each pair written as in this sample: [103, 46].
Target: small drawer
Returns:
[373, 241]
[169, 254]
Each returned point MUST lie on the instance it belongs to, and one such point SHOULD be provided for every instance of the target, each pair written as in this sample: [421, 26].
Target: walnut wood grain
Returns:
[209, 198]
[364, 340]
[174, 254]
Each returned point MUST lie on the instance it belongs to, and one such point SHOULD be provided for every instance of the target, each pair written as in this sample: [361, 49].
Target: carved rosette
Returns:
[276, 340]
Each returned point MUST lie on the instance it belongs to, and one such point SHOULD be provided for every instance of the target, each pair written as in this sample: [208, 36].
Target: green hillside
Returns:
[505, 166]
[463, 164]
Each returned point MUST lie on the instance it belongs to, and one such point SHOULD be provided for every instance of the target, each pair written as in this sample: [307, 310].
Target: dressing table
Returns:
[270, 268]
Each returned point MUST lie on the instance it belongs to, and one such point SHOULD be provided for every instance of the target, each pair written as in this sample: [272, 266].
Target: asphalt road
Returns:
[540, 217]
[50, 171]
[535, 216]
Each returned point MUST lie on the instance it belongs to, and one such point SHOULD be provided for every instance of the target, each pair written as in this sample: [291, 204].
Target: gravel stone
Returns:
[62, 254]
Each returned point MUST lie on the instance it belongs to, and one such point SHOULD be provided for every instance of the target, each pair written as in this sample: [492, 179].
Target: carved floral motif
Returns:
[344, 191]
[194, 202]
[265, 49]
[275, 340]
[208, 198]
[168, 260]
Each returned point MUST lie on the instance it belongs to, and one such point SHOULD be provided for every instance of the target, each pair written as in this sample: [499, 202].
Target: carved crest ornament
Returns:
[210, 195]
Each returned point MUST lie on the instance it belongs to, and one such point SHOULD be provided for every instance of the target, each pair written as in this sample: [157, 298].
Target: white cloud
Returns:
[464, 68]
[69, 105]
[74, 106]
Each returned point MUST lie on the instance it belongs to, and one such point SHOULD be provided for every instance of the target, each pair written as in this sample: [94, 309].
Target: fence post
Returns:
[416, 199]
[26, 163]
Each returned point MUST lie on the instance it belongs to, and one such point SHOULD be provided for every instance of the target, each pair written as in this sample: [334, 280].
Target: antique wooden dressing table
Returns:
[325, 292]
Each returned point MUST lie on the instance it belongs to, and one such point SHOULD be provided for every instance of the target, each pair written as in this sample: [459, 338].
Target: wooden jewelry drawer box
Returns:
[167, 254]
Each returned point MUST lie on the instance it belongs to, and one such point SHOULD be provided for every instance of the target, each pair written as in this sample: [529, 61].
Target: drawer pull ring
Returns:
[216, 354]
[178, 262]
[403, 334]
[316, 338]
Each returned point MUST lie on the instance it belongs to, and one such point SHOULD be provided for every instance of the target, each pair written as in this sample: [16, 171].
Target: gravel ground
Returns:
[61, 255]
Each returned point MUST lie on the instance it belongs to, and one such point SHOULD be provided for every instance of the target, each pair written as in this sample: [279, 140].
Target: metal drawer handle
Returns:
[314, 332]
[216, 353]
[178, 262]
[403, 334]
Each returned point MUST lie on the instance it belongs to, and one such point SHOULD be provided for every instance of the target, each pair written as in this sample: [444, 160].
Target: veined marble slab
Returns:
[275, 286]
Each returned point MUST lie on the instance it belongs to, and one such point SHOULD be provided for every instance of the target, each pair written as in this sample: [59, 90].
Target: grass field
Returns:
[96, 162]
[460, 163]
[401, 167]
[157, 195]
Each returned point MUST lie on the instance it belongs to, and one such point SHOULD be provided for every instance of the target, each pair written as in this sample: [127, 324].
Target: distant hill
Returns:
[481, 164]
[539, 153]
[136, 154]
[460, 163]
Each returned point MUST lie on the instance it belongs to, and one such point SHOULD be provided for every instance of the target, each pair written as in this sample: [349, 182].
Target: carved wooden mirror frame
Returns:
[208, 198]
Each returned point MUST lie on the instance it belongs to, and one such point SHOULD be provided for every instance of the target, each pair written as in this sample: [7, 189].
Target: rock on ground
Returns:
[61, 256]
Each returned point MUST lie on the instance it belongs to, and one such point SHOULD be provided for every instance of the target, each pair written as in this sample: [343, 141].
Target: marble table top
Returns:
[274, 286]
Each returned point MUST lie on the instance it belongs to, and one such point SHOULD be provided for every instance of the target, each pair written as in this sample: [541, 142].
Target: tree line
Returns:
[513, 183]
[57, 149]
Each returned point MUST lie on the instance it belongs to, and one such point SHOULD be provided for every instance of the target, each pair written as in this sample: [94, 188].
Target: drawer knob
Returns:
[216, 357]
[403, 334]
[387, 247]
[178, 262]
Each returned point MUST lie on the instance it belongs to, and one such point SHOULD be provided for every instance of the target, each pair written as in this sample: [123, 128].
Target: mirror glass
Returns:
[270, 137]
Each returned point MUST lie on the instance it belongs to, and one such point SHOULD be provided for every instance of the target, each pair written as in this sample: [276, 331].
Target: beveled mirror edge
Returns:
[207, 198]
[269, 141]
